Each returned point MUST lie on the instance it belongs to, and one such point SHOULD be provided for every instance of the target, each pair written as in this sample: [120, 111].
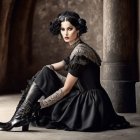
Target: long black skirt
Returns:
[89, 110]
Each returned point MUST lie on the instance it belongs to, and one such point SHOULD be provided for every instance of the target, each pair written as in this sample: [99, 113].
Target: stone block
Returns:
[122, 95]
[137, 89]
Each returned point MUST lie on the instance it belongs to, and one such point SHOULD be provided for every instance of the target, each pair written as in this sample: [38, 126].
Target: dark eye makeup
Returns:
[69, 28]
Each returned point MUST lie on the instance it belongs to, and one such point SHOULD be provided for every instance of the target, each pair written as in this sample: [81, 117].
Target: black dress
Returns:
[87, 107]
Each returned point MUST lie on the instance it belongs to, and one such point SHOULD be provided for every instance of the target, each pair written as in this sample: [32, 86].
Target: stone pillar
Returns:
[117, 54]
[138, 54]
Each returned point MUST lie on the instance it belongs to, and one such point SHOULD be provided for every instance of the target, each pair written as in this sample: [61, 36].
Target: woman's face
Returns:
[68, 32]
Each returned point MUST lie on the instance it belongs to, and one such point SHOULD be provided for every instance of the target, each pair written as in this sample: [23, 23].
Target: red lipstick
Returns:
[66, 38]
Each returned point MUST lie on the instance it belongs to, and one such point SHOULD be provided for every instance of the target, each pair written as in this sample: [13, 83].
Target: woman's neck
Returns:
[74, 43]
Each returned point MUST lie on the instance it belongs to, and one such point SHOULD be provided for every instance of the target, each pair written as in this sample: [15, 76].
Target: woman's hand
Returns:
[59, 94]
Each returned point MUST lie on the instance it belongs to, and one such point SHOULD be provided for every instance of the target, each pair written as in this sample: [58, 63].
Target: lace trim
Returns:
[52, 99]
[88, 52]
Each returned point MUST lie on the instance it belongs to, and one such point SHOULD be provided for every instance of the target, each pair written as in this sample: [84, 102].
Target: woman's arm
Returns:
[59, 94]
[69, 83]
[59, 65]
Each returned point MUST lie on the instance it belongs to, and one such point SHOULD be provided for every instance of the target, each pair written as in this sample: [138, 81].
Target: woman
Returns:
[75, 102]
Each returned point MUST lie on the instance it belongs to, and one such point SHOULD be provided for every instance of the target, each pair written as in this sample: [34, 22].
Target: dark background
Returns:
[113, 31]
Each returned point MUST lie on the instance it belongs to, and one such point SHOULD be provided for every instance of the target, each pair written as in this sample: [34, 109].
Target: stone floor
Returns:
[7, 107]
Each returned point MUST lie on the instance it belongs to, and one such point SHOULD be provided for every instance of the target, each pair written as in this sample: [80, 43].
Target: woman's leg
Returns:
[23, 114]
[22, 98]
[48, 81]
[61, 77]
[24, 109]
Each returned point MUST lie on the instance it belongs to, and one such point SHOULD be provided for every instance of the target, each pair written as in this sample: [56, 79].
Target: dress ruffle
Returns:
[87, 111]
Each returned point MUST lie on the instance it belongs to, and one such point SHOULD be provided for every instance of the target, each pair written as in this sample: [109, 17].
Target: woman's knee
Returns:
[46, 69]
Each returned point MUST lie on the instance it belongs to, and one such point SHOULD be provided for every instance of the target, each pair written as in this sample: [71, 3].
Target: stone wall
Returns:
[139, 38]
[25, 42]
[138, 59]
[49, 49]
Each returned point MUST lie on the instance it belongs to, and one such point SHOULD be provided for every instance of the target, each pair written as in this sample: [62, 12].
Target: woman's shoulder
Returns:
[83, 49]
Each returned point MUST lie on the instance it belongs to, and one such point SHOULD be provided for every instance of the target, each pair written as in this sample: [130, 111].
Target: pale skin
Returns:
[70, 35]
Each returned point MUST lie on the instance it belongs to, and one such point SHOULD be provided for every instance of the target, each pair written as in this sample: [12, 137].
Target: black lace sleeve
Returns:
[77, 65]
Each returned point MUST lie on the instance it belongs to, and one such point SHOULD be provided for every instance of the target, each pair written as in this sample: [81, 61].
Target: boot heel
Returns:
[25, 127]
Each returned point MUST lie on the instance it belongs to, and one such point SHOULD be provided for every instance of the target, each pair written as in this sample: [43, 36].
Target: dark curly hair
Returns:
[73, 18]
